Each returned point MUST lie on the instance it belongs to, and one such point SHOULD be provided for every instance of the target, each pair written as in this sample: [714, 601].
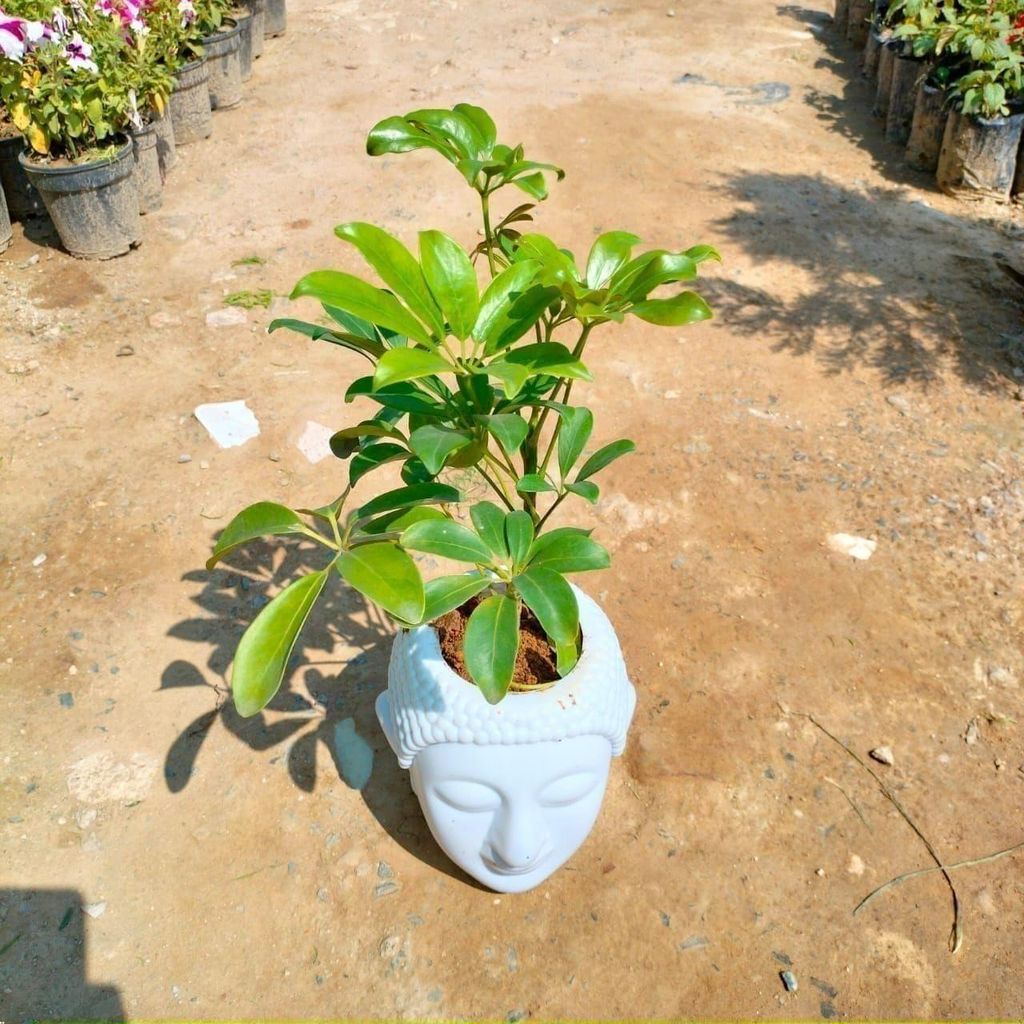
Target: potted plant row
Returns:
[950, 86]
[95, 97]
[507, 693]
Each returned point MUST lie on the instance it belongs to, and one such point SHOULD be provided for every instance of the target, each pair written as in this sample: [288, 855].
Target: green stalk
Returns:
[485, 206]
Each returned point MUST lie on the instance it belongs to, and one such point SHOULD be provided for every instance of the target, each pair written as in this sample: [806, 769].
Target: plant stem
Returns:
[499, 491]
[544, 518]
[577, 351]
[485, 206]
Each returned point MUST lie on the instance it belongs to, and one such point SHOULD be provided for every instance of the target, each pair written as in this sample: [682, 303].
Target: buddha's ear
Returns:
[387, 722]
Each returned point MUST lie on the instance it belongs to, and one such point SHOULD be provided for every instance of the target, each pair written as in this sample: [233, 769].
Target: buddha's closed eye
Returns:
[568, 790]
[464, 795]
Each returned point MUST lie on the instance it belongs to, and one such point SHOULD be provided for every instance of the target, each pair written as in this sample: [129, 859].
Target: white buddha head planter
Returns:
[511, 790]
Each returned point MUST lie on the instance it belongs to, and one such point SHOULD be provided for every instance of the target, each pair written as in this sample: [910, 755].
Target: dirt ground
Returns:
[859, 378]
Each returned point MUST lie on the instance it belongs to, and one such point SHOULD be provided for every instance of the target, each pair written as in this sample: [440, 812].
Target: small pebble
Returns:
[66, 700]
[184, 458]
[385, 889]
[883, 755]
[95, 909]
[126, 350]
[384, 870]
[274, 457]
[38, 560]
[820, 872]
[204, 464]
[789, 980]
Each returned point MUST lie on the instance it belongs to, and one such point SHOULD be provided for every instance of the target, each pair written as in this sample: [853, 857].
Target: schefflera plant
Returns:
[474, 377]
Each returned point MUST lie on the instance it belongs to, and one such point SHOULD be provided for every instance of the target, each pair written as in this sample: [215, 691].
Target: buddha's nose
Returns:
[519, 837]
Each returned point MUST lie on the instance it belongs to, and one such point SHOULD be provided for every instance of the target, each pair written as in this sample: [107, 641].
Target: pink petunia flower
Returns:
[79, 54]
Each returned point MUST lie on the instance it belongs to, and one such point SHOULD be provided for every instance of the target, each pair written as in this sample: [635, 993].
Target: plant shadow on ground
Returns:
[849, 114]
[43, 959]
[867, 277]
[313, 712]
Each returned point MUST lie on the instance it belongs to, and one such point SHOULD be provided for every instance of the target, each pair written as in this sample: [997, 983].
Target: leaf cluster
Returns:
[472, 378]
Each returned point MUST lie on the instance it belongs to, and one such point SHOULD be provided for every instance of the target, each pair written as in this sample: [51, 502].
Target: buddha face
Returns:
[512, 815]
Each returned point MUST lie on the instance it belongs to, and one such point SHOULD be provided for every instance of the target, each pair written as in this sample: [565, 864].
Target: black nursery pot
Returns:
[190, 104]
[6, 234]
[257, 8]
[858, 23]
[222, 52]
[94, 206]
[927, 128]
[22, 199]
[979, 155]
[907, 72]
[276, 16]
[245, 24]
[149, 182]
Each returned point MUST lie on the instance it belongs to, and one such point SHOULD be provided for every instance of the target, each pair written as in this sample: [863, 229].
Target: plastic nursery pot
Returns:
[858, 22]
[979, 155]
[244, 18]
[907, 72]
[886, 60]
[191, 115]
[165, 142]
[222, 52]
[510, 791]
[149, 182]
[259, 19]
[94, 206]
[841, 17]
[6, 234]
[926, 129]
[22, 199]
[276, 16]
[877, 38]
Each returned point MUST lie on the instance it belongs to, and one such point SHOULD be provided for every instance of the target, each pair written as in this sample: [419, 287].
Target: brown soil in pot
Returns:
[535, 662]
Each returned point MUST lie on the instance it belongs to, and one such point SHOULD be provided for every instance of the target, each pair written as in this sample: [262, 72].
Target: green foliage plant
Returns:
[480, 379]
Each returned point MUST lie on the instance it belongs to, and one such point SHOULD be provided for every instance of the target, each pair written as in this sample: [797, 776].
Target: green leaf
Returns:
[333, 288]
[366, 348]
[603, 456]
[663, 269]
[548, 595]
[454, 126]
[407, 497]
[567, 550]
[352, 324]
[398, 520]
[684, 308]
[447, 593]
[489, 521]
[403, 397]
[433, 444]
[396, 135]
[566, 657]
[518, 536]
[451, 278]
[585, 489]
[371, 457]
[573, 434]
[491, 645]
[481, 120]
[263, 519]
[533, 483]
[509, 429]
[518, 365]
[386, 575]
[609, 252]
[499, 322]
[447, 539]
[533, 185]
[346, 441]
[401, 364]
[397, 269]
[265, 647]
[700, 253]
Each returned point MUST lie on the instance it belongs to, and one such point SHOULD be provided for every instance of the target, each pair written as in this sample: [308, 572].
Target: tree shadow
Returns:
[870, 278]
[43, 959]
[849, 113]
[316, 712]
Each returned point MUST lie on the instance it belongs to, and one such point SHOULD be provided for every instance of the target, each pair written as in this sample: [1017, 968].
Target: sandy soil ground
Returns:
[859, 378]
